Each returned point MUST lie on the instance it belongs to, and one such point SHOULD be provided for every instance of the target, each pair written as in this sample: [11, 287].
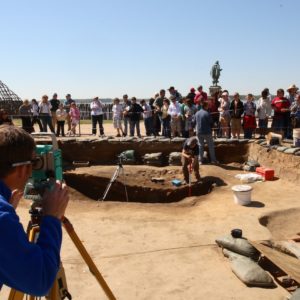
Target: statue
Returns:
[215, 73]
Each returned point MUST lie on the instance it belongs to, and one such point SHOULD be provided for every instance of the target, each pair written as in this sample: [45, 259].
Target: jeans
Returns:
[248, 133]
[97, 119]
[133, 124]
[166, 125]
[126, 124]
[35, 119]
[149, 125]
[210, 143]
[60, 128]
[47, 120]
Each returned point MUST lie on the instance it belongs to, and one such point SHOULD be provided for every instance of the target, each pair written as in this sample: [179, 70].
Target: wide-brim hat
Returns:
[292, 87]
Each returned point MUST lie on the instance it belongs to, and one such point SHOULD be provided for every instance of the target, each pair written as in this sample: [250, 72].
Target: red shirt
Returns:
[200, 97]
[280, 102]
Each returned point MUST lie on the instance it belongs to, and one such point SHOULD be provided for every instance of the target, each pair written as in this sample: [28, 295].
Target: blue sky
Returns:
[108, 48]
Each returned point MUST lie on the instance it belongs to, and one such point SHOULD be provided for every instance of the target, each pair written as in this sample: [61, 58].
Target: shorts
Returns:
[225, 120]
[236, 124]
[117, 123]
[75, 122]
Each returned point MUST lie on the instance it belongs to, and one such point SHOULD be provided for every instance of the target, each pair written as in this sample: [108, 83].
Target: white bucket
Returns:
[242, 194]
[296, 137]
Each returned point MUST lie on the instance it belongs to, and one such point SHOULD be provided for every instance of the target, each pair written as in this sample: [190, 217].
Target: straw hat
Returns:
[292, 87]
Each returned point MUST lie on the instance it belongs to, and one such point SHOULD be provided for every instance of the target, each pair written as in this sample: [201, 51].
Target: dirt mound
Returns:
[283, 224]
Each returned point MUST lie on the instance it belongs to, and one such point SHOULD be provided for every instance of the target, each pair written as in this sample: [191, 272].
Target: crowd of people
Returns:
[169, 115]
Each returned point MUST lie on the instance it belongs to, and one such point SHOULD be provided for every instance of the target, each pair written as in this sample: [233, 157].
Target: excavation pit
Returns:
[93, 181]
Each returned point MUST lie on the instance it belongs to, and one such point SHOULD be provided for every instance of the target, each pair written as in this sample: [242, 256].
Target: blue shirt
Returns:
[203, 122]
[27, 267]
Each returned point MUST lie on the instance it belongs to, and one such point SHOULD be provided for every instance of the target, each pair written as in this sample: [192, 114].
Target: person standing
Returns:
[125, 107]
[189, 112]
[45, 113]
[175, 93]
[117, 117]
[26, 266]
[249, 120]
[67, 106]
[191, 95]
[264, 111]
[97, 116]
[75, 118]
[175, 112]
[134, 113]
[200, 97]
[25, 112]
[281, 107]
[236, 111]
[61, 116]
[54, 107]
[291, 96]
[225, 115]
[158, 104]
[189, 156]
[295, 112]
[166, 119]
[147, 116]
[204, 133]
[35, 114]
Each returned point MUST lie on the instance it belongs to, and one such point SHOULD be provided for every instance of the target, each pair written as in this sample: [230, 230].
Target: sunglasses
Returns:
[37, 163]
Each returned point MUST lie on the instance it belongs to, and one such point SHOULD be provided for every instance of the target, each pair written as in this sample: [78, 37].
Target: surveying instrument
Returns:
[47, 169]
[119, 170]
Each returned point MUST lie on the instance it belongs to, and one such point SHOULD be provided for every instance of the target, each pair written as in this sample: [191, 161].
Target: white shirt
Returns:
[174, 110]
[96, 108]
[264, 108]
[35, 109]
[147, 111]
[45, 108]
[117, 111]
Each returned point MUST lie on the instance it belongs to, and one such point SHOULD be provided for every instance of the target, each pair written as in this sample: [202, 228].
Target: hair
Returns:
[16, 145]
[280, 91]
[166, 100]
[264, 93]
[191, 140]
[205, 104]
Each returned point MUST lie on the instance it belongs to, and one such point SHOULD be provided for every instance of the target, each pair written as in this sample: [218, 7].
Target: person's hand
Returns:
[55, 201]
[15, 198]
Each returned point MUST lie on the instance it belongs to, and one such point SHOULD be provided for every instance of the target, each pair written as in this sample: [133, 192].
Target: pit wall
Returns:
[105, 151]
[284, 160]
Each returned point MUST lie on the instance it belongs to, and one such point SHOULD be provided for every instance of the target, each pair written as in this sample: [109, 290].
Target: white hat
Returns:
[291, 87]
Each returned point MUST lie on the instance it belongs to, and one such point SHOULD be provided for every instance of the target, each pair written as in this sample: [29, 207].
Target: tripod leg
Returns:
[112, 180]
[125, 184]
[15, 295]
[93, 269]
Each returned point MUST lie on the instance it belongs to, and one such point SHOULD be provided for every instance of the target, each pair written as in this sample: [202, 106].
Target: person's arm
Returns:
[28, 267]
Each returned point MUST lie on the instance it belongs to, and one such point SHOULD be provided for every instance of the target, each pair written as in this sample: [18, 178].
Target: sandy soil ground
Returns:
[167, 251]
[109, 130]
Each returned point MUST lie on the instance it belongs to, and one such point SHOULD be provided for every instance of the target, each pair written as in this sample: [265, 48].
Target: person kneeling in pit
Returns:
[189, 155]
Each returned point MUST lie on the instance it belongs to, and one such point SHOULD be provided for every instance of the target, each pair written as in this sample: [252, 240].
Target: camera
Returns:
[46, 168]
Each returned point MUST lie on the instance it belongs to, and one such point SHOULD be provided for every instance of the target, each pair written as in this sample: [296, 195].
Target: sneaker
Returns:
[214, 162]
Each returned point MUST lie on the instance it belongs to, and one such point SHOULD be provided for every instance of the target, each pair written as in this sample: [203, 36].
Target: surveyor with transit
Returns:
[27, 267]
[189, 156]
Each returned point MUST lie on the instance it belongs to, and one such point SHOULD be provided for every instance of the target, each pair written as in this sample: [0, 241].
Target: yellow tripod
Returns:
[59, 289]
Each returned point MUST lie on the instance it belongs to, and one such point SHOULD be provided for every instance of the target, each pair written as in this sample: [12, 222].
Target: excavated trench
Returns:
[101, 155]
[93, 181]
